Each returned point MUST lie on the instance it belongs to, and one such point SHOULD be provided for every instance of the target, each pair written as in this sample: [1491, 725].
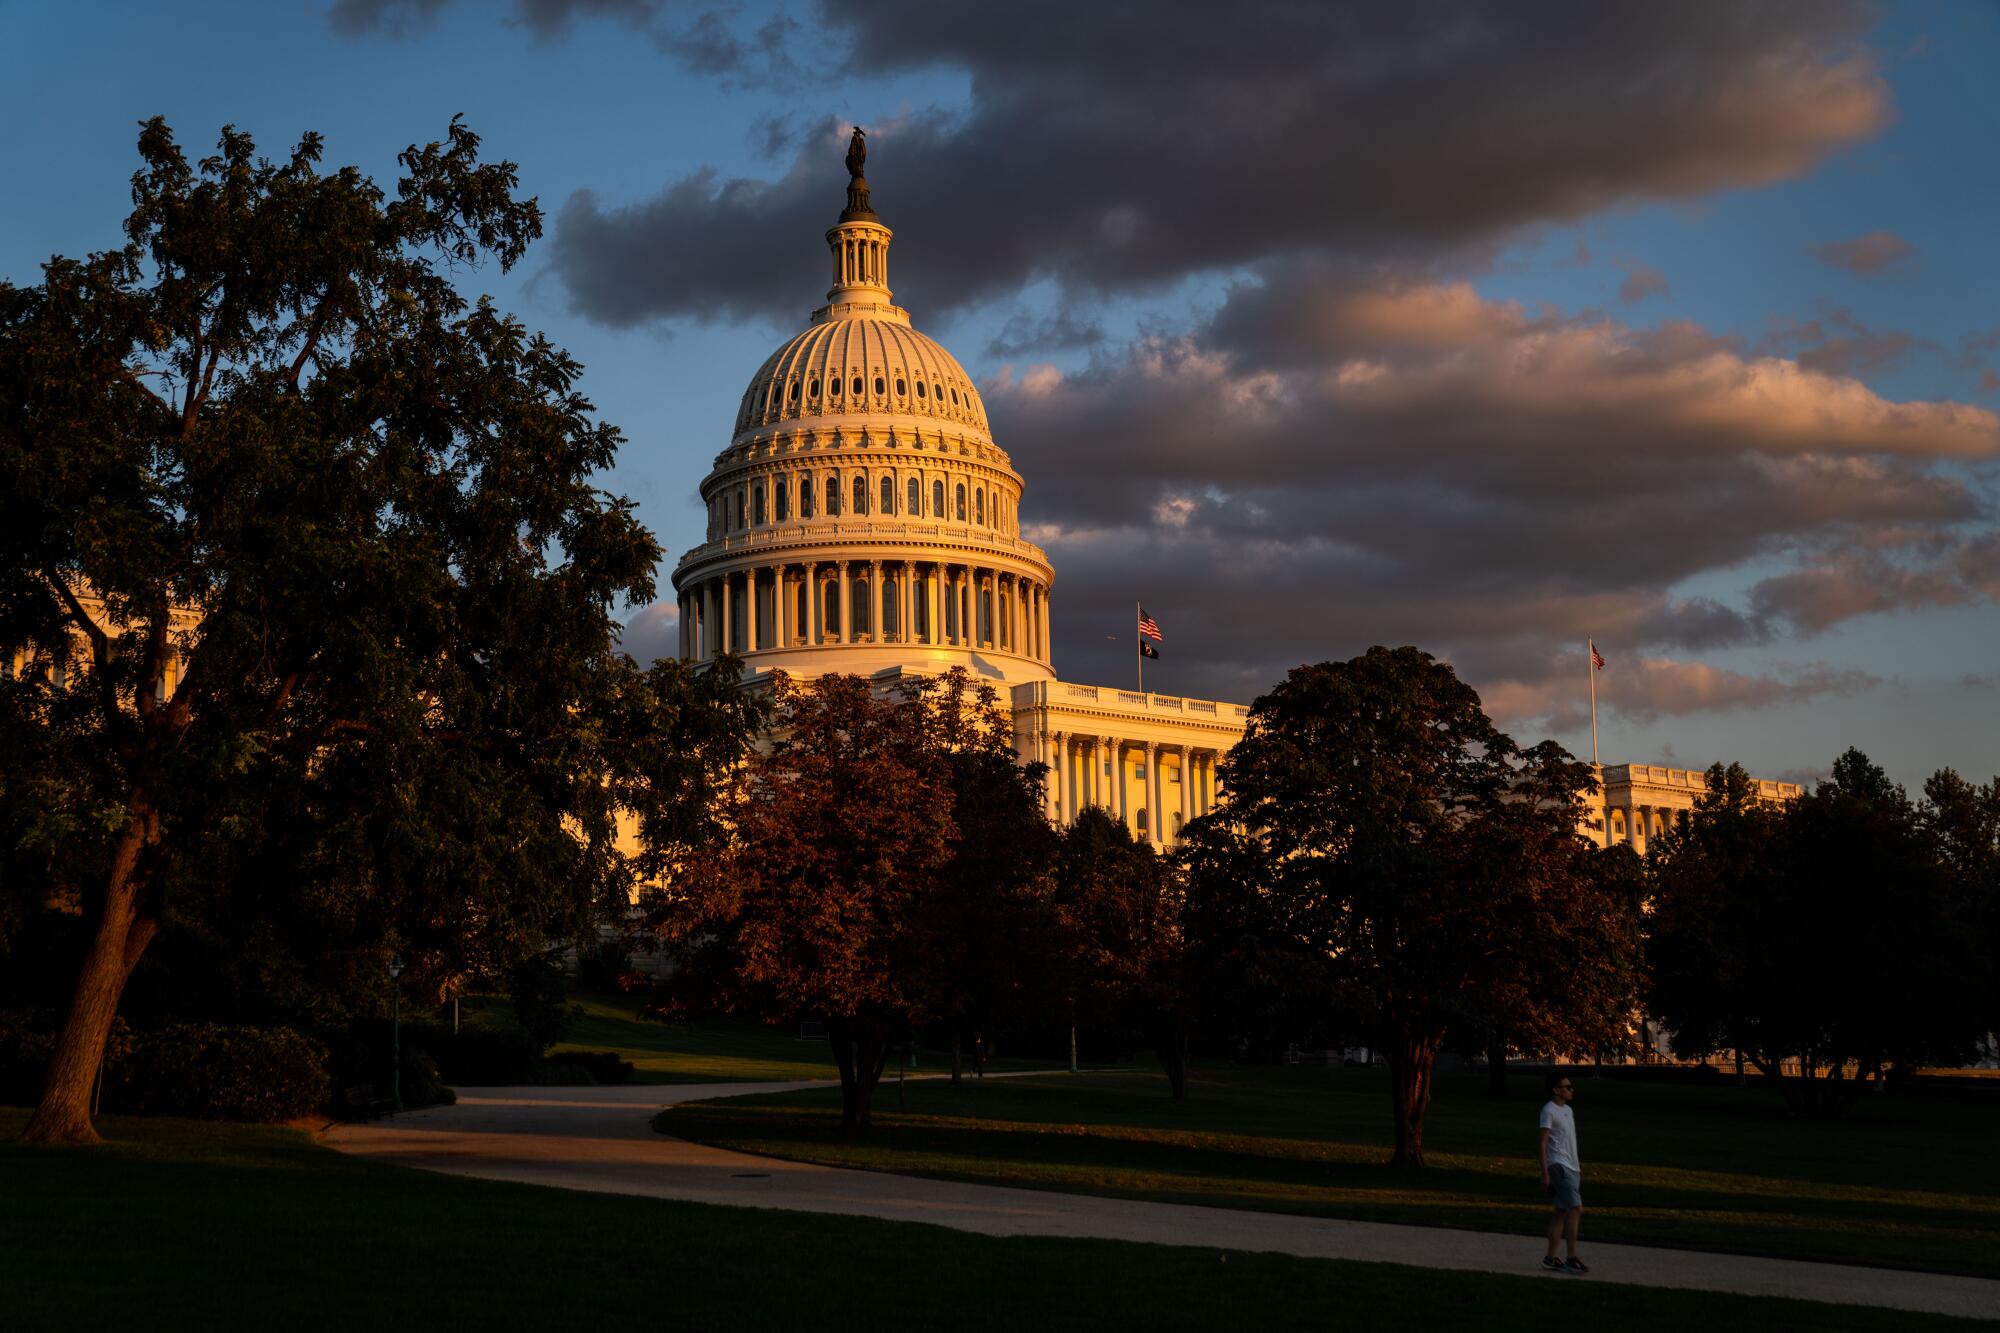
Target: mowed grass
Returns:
[679, 1053]
[1903, 1181]
[712, 1052]
[183, 1225]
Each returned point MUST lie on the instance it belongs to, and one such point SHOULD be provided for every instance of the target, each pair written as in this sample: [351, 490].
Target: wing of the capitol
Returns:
[864, 520]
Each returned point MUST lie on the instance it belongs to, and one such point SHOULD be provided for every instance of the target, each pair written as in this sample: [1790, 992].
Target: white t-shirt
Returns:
[1560, 1122]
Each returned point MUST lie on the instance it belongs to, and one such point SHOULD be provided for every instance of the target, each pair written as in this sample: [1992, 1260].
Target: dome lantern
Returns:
[860, 246]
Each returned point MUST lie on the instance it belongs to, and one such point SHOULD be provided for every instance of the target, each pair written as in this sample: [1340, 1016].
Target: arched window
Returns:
[979, 506]
[860, 594]
[805, 497]
[833, 496]
[902, 389]
[812, 388]
[961, 502]
[833, 386]
[920, 388]
[888, 495]
[892, 601]
[861, 495]
[879, 387]
[739, 507]
[858, 390]
[937, 499]
[781, 500]
[759, 510]
[916, 498]
[1142, 813]
[795, 391]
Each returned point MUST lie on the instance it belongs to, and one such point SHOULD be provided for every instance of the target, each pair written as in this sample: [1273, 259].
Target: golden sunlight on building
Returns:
[863, 520]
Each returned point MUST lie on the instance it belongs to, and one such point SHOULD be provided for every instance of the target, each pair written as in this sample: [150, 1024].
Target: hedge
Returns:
[214, 1072]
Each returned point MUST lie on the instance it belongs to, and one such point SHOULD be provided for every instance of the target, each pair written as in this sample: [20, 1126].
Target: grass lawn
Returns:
[707, 1052]
[1902, 1181]
[183, 1225]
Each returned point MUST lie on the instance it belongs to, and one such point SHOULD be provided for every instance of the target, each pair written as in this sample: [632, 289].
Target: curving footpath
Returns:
[602, 1139]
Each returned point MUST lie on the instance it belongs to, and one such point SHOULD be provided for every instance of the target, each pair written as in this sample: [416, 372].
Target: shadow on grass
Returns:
[1290, 1144]
[180, 1225]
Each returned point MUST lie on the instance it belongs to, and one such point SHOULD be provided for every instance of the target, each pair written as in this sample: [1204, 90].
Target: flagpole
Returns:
[1590, 665]
[1138, 645]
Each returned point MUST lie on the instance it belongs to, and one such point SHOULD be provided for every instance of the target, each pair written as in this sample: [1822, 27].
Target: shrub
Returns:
[475, 1056]
[421, 1085]
[222, 1073]
[26, 1043]
[561, 1074]
[605, 1067]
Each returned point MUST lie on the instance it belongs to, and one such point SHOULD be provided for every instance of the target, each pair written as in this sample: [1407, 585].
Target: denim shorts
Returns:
[1564, 1188]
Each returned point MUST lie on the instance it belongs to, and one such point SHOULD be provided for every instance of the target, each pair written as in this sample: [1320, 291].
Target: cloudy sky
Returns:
[1314, 326]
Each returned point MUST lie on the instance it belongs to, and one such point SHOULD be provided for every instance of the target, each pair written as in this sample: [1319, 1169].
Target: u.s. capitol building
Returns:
[863, 520]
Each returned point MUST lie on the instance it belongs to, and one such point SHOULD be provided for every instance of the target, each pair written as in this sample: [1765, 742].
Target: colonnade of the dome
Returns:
[778, 492]
[835, 602]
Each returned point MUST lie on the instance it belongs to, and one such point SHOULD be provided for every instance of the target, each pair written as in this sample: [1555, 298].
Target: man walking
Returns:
[1561, 1176]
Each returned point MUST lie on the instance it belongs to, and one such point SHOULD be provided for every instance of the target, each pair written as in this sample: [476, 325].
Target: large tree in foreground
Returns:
[272, 408]
[1392, 831]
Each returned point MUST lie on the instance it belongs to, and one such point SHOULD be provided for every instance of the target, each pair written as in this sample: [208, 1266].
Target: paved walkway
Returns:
[602, 1139]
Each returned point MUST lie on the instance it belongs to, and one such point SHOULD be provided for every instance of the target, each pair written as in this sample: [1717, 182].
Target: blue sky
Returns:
[605, 105]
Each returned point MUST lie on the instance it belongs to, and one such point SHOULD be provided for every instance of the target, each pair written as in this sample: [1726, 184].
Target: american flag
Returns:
[1149, 626]
[1596, 658]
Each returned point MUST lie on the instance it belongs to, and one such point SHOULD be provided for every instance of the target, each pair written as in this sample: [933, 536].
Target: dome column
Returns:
[878, 628]
[750, 609]
[933, 596]
[811, 591]
[845, 607]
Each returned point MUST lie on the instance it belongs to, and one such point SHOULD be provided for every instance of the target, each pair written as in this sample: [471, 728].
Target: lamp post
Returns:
[395, 1033]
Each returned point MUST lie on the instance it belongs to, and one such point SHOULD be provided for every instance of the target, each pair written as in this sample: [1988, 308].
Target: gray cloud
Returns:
[1414, 463]
[1868, 256]
[1841, 344]
[394, 18]
[1641, 281]
[652, 633]
[1151, 142]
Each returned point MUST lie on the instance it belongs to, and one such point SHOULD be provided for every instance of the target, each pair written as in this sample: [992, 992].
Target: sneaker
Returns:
[1553, 1264]
[1575, 1265]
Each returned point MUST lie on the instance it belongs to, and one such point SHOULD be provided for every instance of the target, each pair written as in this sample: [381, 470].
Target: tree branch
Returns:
[313, 331]
[198, 394]
[100, 645]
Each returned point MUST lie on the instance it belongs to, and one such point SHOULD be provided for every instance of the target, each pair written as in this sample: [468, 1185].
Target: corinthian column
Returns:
[1155, 814]
[846, 607]
[811, 593]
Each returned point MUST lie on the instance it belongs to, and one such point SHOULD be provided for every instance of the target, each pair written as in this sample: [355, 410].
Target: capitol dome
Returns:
[861, 517]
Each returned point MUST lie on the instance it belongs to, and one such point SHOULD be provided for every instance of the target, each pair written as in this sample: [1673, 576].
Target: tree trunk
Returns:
[1496, 1069]
[1410, 1061]
[1170, 1044]
[123, 932]
[861, 1050]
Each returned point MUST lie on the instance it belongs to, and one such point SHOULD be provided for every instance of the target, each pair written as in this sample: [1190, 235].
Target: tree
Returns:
[1120, 906]
[1559, 915]
[1828, 935]
[1963, 821]
[819, 905]
[989, 926]
[305, 546]
[1400, 836]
